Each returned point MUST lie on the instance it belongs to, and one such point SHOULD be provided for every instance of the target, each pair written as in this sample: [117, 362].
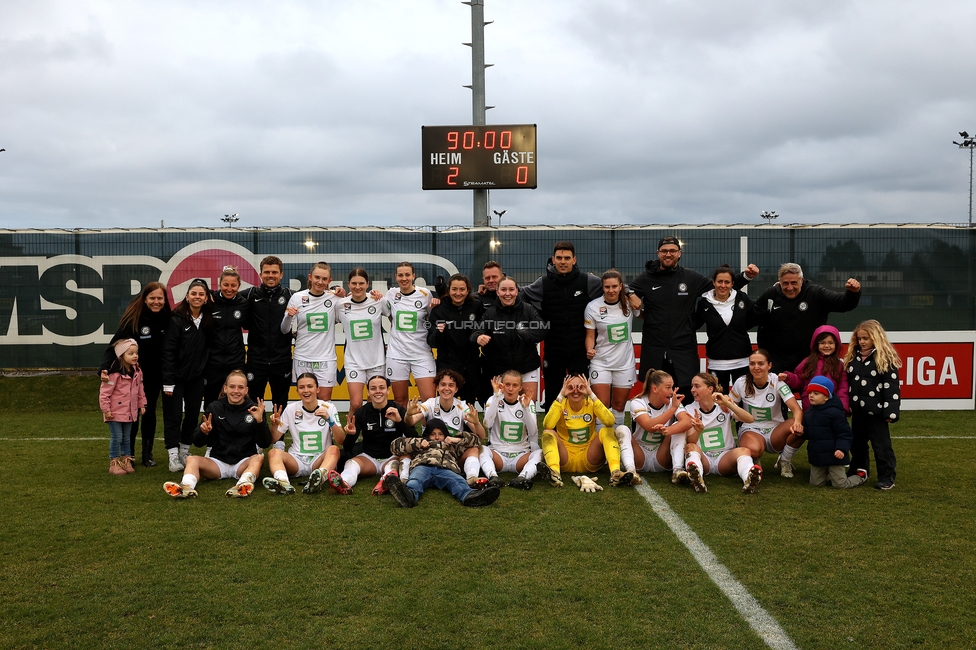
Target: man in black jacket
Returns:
[562, 295]
[670, 293]
[268, 350]
[789, 312]
[491, 275]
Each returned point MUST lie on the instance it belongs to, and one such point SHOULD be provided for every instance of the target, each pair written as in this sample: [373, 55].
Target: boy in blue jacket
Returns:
[829, 437]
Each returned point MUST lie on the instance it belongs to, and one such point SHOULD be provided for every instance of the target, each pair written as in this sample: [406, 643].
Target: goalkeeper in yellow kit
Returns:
[578, 436]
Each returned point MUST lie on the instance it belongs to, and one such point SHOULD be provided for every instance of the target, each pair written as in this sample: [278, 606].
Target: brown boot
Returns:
[116, 467]
[127, 462]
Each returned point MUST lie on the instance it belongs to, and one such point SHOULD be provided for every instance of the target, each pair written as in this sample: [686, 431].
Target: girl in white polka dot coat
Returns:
[875, 399]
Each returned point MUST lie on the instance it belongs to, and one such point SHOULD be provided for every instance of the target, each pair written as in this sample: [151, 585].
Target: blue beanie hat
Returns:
[821, 384]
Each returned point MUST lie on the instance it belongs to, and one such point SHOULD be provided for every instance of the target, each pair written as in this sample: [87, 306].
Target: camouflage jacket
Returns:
[438, 454]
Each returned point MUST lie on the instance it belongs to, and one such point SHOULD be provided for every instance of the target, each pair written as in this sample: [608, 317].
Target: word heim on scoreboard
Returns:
[484, 157]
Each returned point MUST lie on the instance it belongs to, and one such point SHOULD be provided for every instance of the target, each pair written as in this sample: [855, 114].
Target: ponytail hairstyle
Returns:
[319, 265]
[229, 271]
[884, 353]
[239, 373]
[724, 268]
[750, 384]
[653, 378]
[206, 312]
[711, 381]
[359, 272]
[622, 298]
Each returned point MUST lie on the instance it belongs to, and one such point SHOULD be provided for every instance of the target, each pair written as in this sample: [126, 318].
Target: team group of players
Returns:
[487, 353]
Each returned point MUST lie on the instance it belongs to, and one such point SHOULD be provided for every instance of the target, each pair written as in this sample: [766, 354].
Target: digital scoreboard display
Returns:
[489, 157]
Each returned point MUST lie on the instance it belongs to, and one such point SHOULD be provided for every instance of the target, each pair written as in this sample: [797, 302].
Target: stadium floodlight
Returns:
[499, 215]
[968, 142]
[768, 215]
[230, 219]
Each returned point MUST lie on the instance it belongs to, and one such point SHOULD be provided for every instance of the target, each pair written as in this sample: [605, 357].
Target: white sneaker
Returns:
[175, 465]
[785, 467]
[183, 455]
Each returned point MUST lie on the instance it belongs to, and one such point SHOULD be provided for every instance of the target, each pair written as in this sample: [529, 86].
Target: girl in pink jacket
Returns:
[122, 400]
[825, 359]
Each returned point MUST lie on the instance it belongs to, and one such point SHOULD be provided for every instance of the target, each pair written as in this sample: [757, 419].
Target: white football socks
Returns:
[788, 452]
[471, 467]
[626, 443]
[350, 472]
[678, 442]
[530, 469]
[487, 462]
[742, 465]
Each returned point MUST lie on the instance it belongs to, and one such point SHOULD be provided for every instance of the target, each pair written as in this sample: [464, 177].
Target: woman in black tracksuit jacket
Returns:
[727, 315]
[508, 336]
[186, 350]
[230, 312]
[452, 323]
[145, 320]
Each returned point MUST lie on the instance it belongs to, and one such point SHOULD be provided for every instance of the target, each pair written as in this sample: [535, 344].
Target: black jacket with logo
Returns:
[562, 299]
[670, 296]
[727, 341]
[514, 333]
[186, 350]
[229, 316]
[266, 309]
[235, 435]
[455, 349]
[786, 325]
[378, 431]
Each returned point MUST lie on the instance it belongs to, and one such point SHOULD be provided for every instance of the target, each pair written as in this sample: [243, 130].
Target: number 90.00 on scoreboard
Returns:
[489, 157]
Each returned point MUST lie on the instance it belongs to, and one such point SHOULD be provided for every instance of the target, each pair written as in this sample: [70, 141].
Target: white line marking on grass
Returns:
[50, 439]
[932, 437]
[758, 618]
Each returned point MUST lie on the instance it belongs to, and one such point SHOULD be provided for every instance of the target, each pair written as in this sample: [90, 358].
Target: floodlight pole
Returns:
[477, 87]
[971, 145]
[968, 142]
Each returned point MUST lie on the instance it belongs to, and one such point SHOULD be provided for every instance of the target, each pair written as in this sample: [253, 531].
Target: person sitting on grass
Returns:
[314, 425]
[435, 463]
[571, 439]
[233, 437]
[513, 431]
[830, 436]
[716, 451]
[379, 421]
[455, 413]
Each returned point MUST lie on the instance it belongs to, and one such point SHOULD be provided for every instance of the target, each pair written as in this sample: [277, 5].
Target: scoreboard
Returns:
[488, 157]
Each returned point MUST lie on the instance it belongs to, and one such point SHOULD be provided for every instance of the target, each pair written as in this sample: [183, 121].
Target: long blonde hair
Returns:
[884, 353]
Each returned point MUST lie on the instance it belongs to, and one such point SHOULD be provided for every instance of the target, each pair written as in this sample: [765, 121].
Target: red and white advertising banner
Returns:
[936, 371]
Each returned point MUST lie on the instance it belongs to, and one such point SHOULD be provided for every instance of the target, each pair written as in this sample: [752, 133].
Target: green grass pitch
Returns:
[92, 560]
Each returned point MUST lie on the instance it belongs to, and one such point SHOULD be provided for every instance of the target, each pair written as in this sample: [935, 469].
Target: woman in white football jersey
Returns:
[609, 322]
[762, 394]
[659, 417]
[314, 427]
[314, 312]
[716, 451]
[455, 413]
[513, 430]
[361, 317]
[408, 352]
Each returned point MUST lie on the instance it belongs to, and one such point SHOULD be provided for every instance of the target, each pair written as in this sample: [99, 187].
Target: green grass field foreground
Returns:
[93, 560]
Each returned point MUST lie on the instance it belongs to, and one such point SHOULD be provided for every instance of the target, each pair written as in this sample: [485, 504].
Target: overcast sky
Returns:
[309, 112]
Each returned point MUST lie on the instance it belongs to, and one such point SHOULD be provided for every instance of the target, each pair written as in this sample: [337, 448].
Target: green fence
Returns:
[64, 291]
